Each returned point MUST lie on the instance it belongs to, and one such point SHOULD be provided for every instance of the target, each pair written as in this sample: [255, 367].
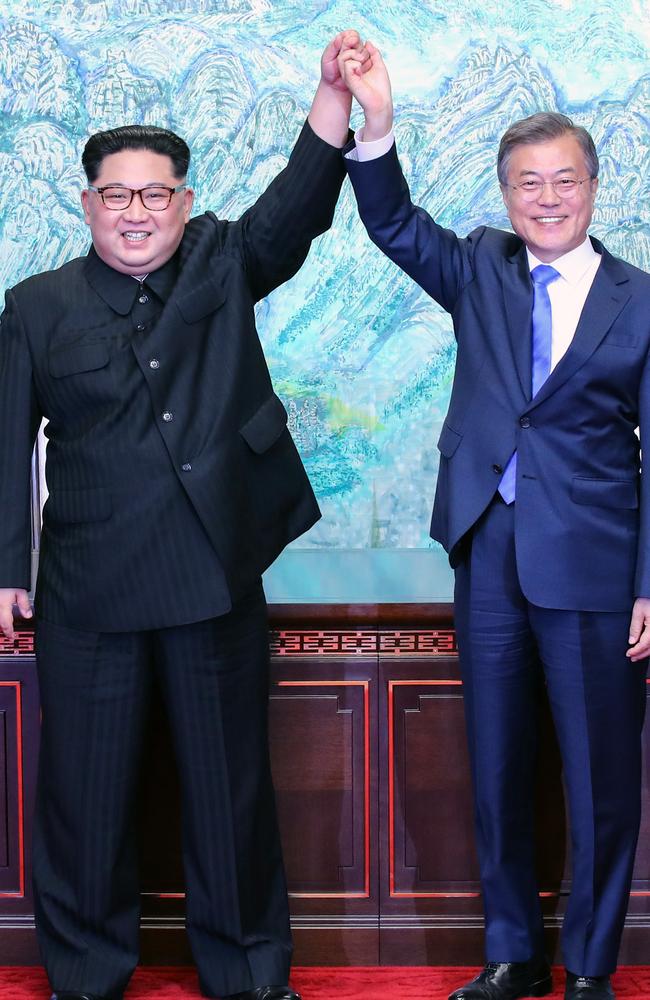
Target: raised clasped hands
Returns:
[345, 41]
[329, 116]
[365, 75]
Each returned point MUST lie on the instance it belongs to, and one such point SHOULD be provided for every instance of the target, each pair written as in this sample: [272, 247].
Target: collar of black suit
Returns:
[119, 290]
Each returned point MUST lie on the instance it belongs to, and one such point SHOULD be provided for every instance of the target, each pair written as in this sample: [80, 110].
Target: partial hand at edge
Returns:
[8, 597]
[369, 83]
[640, 630]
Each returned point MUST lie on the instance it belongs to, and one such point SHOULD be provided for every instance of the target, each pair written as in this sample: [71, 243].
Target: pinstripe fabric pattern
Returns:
[174, 483]
[95, 690]
[125, 483]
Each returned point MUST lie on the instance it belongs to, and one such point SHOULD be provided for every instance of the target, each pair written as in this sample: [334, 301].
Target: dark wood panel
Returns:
[19, 737]
[334, 742]
[345, 615]
[322, 725]
[337, 942]
[318, 770]
[12, 873]
[4, 791]
[416, 940]
[642, 866]
[430, 798]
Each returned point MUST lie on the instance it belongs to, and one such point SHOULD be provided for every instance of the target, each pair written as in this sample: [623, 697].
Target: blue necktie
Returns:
[542, 276]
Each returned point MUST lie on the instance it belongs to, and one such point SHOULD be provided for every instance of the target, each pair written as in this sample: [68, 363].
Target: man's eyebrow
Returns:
[538, 173]
[149, 184]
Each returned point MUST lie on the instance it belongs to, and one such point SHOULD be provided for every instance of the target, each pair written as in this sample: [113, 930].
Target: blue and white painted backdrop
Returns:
[362, 359]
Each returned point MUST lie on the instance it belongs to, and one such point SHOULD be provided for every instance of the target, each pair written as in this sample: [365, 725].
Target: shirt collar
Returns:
[119, 290]
[573, 265]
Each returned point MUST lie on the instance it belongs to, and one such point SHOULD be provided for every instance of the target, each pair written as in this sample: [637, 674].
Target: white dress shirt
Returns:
[567, 293]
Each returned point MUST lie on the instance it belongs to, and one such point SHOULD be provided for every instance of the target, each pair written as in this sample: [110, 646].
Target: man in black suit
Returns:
[542, 508]
[173, 484]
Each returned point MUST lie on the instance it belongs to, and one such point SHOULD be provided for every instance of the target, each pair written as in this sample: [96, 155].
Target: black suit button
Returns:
[140, 326]
[497, 468]
[168, 416]
[524, 422]
[154, 363]
[187, 467]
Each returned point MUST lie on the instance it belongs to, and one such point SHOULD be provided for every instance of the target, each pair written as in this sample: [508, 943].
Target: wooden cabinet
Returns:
[372, 784]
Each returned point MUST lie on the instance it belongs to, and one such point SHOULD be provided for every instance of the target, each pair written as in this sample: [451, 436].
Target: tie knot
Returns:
[544, 274]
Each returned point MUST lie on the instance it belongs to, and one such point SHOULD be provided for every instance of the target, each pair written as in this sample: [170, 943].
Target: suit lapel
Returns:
[518, 307]
[606, 298]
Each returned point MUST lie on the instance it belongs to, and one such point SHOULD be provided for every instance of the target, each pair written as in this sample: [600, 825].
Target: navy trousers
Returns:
[95, 690]
[597, 698]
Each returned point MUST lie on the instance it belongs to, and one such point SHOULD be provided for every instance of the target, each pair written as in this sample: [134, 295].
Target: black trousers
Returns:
[95, 689]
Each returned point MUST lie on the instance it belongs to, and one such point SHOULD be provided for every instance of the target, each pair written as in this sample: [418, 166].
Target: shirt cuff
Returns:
[363, 151]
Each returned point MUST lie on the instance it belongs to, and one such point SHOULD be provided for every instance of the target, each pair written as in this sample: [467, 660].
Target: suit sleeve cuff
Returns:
[364, 151]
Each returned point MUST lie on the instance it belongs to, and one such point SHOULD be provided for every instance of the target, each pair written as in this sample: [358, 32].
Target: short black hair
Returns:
[151, 137]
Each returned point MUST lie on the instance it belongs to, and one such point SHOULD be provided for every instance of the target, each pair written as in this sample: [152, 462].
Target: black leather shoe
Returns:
[588, 988]
[266, 993]
[508, 981]
[67, 995]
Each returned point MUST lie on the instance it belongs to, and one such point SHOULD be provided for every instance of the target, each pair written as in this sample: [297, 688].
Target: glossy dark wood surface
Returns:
[371, 773]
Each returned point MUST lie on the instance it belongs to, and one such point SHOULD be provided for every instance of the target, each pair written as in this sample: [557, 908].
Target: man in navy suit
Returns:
[540, 506]
[173, 484]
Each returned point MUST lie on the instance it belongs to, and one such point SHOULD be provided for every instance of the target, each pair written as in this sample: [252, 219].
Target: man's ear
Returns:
[188, 201]
[84, 204]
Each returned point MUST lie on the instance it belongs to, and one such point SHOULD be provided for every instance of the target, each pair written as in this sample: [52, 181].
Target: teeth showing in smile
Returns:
[550, 218]
[135, 237]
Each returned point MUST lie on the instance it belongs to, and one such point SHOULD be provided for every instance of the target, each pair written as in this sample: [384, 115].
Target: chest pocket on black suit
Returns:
[204, 300]
[82, 372]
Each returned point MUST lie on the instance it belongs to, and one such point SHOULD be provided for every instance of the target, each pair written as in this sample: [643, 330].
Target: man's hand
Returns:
[640, 630]
[8, 597]
[329, 65]
[369, 83]
[330, 112]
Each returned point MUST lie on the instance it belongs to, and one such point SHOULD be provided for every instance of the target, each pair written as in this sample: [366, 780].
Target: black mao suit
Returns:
[173, 484]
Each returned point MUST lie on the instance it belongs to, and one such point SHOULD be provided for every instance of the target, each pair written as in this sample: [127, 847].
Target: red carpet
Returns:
[631, 983]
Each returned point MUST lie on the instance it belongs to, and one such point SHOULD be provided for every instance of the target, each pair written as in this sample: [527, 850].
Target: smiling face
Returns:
[550, 226]
[134, 240]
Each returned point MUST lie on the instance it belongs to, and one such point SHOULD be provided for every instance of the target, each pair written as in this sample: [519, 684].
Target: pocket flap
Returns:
[265, 427]
[205, 299]
[76, 358]
[622, 493]
[620, 339]
[77, 506]
[448, 441]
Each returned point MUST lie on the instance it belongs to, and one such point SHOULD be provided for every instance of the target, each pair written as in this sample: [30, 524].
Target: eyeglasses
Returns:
[565, 187]
[155, 198]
